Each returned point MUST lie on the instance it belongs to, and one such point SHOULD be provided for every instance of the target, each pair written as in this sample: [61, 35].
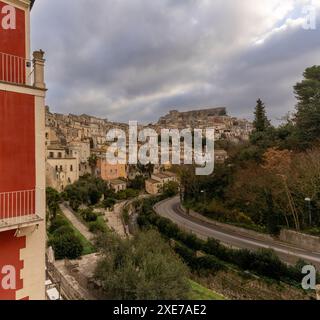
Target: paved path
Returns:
[288, 253]
[70, 215]
[114, 219]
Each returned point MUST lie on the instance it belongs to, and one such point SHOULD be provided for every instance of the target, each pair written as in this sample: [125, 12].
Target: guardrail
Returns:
[14, 69]
[17, 208]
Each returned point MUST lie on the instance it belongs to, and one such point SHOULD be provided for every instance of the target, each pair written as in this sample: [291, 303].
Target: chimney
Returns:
[38, 66]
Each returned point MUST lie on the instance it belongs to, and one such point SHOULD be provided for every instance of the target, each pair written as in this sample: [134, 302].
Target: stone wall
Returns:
[301, 240]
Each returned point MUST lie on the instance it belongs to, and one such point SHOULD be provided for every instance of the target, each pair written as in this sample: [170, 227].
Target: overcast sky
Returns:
[138, 59]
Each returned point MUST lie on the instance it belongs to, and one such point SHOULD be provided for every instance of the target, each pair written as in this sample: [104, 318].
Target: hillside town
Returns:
[72, 140]
[198, 205]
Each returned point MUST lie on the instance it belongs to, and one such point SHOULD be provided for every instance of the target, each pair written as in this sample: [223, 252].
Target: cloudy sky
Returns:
[138, 59]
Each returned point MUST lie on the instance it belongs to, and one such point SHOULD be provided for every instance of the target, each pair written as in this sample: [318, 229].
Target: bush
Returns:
[207, 263]
[88, 215]
[97, 227]
[215, 210]
[66, 246]
[63, 230]
[263, 262]
[109, 203]
[210, 263]
[56, 223]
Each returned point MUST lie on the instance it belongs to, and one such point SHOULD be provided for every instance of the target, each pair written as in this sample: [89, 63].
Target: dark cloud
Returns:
[137, 59]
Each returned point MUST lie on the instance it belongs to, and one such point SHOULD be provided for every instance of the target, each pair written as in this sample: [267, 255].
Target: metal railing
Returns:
[14, 69]
[17, 208]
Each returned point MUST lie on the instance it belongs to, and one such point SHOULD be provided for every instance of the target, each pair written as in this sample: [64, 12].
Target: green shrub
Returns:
[97, 226]
[263, 262]
[207, 263]
[66, 246]
[56, 223]
[63, 230]
[216, 210]
[88, 215]
[109, 203]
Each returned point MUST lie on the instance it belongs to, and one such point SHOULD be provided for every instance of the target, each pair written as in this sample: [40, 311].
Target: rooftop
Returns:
[117, 182]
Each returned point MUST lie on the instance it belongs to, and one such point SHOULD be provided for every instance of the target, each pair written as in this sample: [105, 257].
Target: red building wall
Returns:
[10, 247]
[13, 41]
[17, 142]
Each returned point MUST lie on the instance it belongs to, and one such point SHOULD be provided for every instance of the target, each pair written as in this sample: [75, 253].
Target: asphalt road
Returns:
[288, 253]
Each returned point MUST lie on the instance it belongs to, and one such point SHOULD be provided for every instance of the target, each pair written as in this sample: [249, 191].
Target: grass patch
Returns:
[88, 247]
[198, 292]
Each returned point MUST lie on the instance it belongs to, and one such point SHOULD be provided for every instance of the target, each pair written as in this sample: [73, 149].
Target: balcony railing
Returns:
[18, 208]
[16, 70]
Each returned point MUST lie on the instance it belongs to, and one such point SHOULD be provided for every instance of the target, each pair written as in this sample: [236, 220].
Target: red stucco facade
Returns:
[14, 41]
[10, 247]
[17, 152]
[17, 142]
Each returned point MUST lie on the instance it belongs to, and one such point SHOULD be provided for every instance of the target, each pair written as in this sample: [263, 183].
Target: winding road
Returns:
[290, 254]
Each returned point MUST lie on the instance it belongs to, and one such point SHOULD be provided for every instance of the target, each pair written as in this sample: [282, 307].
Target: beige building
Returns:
[81, 151]
[61, 169]
[118, 185]
[50, 136]
[155, 184]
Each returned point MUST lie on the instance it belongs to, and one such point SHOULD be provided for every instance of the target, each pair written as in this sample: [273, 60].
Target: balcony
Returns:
[15, 70]
[18, 209]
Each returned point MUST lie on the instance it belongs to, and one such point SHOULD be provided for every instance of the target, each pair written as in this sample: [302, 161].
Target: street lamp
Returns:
[308, 200]
[203, 192]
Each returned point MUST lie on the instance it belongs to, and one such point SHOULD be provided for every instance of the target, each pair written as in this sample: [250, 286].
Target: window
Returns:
[71, 168]
[51, 155]
[59, 155]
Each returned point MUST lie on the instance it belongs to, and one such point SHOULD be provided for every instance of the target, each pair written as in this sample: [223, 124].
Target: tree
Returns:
[88, 215]
[306, 89]
[272, 217]
[261, 122]
[109, 203]
[87, 190]
[171, 189]
[93, 160]
[308, 122]
[128, 271]
[138, 182]
[66, 245]
[53, 199]
[307, 117]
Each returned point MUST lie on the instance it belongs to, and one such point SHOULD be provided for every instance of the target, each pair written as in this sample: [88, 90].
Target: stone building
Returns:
[61, 168]
[158, 180]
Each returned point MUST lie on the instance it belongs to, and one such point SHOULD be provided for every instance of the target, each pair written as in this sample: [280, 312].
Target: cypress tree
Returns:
[261, 122]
